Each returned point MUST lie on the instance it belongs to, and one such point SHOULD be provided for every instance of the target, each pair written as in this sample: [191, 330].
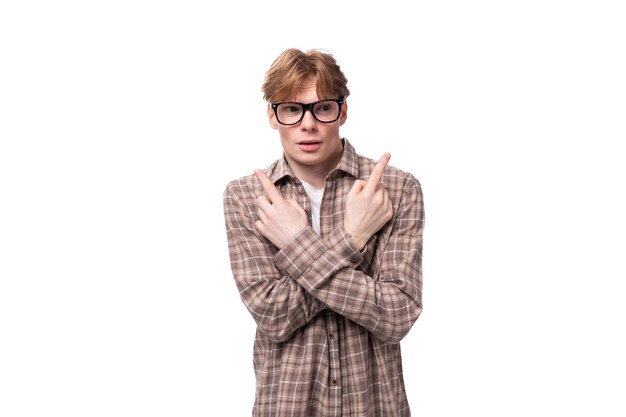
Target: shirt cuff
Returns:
[307, 247]
[341, 241]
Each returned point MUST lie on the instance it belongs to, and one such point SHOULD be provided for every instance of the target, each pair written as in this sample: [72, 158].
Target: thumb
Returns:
[294, 204]
[357, 187]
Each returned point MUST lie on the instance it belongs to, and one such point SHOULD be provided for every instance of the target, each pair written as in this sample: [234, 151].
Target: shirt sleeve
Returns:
[278, 304]
[387, 304]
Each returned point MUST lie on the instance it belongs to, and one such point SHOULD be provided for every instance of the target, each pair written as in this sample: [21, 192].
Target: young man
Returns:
[325, 248]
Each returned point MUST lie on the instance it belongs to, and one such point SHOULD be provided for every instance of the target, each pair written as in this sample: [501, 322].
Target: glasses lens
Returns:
[326, 111]
[289, 113]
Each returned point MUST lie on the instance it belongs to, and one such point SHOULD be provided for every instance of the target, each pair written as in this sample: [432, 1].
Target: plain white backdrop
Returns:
[122, 121]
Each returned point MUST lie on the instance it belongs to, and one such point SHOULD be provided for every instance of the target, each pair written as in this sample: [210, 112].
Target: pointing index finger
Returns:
[268, 185]
[377, 171]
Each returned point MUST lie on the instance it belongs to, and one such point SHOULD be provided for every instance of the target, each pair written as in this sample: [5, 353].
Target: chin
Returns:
[308, 159]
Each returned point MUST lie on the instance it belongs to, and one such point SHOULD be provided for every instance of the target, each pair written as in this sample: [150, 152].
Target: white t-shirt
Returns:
[315, 197]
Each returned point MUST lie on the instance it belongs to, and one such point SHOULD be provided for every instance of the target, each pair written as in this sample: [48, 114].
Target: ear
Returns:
[271, 117]
[344, 113]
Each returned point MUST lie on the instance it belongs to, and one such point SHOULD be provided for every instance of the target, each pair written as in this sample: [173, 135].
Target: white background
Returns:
[122, 121]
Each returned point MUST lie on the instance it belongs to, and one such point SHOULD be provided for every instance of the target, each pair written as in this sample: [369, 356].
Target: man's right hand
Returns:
[368, 206]
[279, 219]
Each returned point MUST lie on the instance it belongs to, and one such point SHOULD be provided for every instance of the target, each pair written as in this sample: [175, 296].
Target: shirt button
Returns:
[330, 335]
[354, 261]
[334, 382]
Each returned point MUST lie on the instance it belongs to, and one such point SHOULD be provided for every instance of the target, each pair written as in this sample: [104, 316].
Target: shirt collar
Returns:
[348, 163]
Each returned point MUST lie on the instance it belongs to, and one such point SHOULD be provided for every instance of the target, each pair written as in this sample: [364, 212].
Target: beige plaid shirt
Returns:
[329, 318]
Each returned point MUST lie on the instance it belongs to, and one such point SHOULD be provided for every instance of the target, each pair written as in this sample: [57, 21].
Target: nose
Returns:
[308, 121]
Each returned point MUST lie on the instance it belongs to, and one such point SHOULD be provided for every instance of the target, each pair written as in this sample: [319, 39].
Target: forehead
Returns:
[306, 92]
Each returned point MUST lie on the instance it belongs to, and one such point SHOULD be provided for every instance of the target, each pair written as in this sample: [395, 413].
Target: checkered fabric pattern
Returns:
[329, 318]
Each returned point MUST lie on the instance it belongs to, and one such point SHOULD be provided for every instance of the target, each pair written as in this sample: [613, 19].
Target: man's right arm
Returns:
[278, 304]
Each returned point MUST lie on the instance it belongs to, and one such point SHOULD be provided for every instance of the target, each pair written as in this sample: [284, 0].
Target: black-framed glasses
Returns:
[291, 113]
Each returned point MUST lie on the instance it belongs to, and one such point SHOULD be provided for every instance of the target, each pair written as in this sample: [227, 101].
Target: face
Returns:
[310, 145]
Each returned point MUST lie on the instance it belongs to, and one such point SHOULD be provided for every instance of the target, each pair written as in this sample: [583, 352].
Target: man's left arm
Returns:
[388, 304]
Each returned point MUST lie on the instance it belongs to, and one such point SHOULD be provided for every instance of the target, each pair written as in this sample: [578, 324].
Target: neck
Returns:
[315, 174]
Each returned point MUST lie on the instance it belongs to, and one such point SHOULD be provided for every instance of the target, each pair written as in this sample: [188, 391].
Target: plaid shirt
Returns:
[329, 318]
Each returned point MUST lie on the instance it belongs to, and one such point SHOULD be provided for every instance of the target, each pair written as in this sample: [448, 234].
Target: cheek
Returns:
[285, 134]
[331, 130]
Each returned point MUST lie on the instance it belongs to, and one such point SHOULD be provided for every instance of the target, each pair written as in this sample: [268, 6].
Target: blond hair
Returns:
[293, 67]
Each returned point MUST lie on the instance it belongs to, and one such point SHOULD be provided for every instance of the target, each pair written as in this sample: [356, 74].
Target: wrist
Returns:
[358, 242]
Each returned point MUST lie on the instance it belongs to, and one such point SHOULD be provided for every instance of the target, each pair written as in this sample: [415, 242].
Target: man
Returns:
[325, 248]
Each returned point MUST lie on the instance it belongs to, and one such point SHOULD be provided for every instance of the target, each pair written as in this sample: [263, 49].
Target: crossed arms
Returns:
[284, 290]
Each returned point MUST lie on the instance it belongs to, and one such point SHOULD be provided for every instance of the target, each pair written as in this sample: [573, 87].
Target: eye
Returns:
[290, 108]
[323, 107]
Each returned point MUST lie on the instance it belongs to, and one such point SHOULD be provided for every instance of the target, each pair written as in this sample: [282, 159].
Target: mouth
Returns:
[309, 145]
